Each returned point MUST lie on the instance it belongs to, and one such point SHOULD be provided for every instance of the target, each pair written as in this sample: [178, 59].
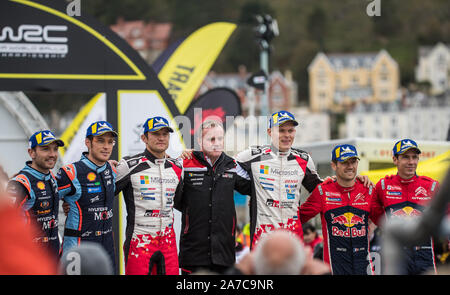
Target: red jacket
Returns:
[400, 197]
[345, 213]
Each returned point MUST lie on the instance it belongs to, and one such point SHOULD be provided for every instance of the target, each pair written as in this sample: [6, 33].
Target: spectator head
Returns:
[86, 259]
[279, 253]
[309, 233]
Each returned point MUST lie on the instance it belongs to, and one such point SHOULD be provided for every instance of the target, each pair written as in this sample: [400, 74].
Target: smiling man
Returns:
[406, 195]
[88, 187]
[35, 191]
[277, 172]
[150, 181]
[345, 206]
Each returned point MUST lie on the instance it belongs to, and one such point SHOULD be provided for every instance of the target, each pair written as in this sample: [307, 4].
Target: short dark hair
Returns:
[308, 227]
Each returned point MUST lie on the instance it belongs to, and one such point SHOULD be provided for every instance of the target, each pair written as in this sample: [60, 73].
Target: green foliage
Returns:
[306, 27]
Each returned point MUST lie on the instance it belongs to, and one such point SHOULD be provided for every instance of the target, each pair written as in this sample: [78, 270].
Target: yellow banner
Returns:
[74, 127]
[186, 68]
[435, 168]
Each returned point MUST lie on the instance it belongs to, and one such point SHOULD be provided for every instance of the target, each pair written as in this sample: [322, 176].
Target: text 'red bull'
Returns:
[349, 220]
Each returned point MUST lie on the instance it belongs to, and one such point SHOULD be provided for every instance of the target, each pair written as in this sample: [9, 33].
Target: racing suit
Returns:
[344, 213]
[402, 198]
[209, 216]
[149, 186]
[38, 197]
[89, 190]
[276, 179]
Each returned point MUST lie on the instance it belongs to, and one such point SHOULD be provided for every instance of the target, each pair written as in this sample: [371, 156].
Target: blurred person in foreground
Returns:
[87, 258]
[279, 253]
[406, 195]
[35, 191]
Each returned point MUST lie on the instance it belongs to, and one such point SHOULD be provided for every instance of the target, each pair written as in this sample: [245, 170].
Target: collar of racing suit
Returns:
[149, 156]
[39, 175]
[277, 152]
[344, 189]
[90, 164]
[204, 158]
[406, 181]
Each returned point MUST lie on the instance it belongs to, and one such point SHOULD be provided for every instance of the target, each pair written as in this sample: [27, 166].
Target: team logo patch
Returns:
[263, 169]
[144, 179]
[40, 185]
[91, 176]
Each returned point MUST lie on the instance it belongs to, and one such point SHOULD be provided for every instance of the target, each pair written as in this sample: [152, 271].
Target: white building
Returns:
[418, 123]
[313, 127]
[434, 67]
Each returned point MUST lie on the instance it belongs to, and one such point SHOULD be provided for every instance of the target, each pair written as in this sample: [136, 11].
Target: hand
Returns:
[365, 180]
[113, 163]
[66, 208]
[186, 154]
[329, 179]
[314, 266]
[246, 264]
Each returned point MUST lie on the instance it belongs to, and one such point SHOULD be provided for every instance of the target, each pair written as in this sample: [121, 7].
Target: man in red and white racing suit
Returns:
[149, 182]
[406, 195]
[277, 171]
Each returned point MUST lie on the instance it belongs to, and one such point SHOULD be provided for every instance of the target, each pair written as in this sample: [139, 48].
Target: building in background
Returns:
[419, 117]
[434, 67]
[338, 82]
[149, 39]
[313, 127]
[282, 89]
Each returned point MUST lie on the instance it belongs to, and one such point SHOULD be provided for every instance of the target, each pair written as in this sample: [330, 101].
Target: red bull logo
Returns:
[406, 212]
[349, 220]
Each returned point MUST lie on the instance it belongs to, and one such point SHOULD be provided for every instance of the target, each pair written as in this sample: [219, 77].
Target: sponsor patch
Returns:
[95, 189]
[389, 193]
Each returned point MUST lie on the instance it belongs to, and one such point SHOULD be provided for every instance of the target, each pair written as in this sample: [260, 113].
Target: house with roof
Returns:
[340, 81]
[434, 67]
[282, 90]
[149, 39]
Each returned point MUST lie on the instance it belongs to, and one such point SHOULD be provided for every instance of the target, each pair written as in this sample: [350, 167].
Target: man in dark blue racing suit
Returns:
[88, 187]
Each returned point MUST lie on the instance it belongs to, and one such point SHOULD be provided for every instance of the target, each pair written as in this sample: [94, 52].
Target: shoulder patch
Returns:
[177, 162]
[70, 171]
[320, 189]
[255, 150]
[24, 181]
[383, 185]
[298, 152]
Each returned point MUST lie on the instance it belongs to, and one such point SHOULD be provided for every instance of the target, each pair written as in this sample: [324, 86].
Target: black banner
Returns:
[217, 102]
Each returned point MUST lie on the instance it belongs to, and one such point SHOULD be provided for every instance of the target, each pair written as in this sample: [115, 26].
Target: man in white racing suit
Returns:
[277, 172]
[149, 182]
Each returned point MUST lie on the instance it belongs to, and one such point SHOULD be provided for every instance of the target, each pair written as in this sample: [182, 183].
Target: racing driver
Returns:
[277, 171]
[149, 182]
[405, 195]
[345, 206]
[88, 188]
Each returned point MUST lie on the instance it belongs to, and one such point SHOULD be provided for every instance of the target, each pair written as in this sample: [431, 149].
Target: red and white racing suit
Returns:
[149, 186]
[276, 177]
